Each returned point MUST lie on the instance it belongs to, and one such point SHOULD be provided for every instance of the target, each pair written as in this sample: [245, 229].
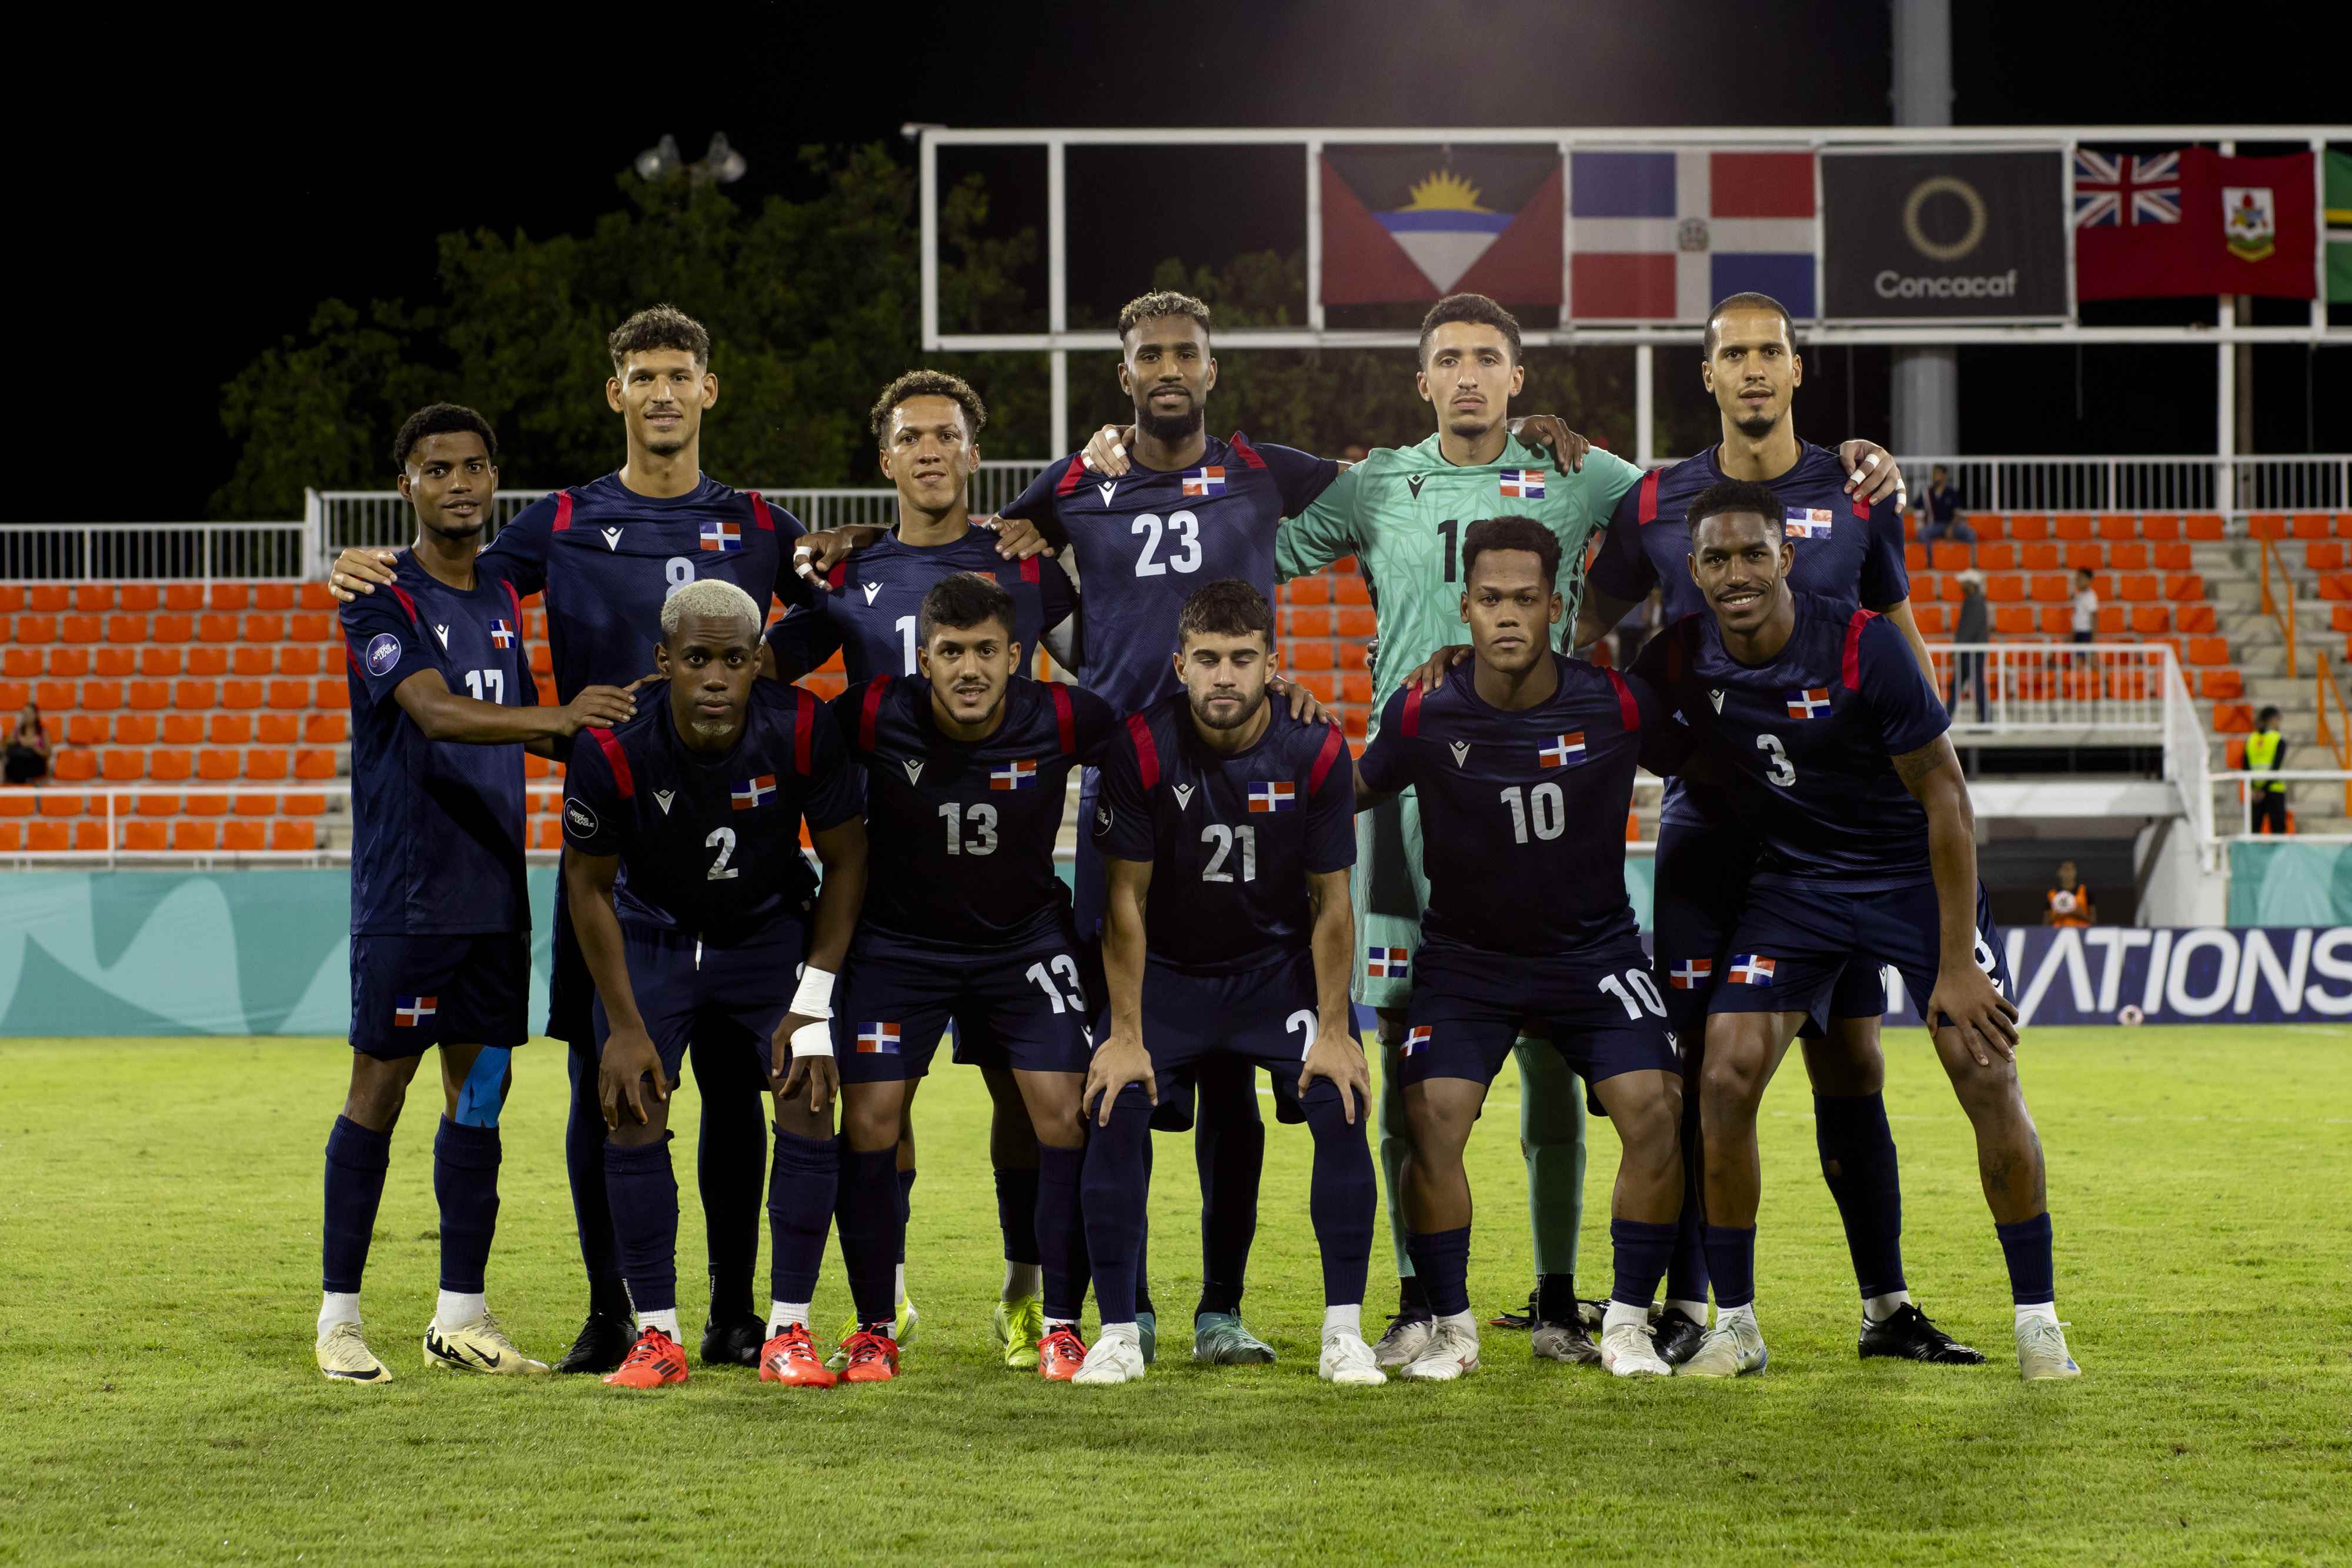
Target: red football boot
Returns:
[654, 1360]
[791, 1358]
[1060, 1353]
[872, 1357]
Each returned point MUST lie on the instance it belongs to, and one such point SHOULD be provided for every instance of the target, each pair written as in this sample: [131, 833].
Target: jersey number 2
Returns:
[1187, 556]
[723, 840]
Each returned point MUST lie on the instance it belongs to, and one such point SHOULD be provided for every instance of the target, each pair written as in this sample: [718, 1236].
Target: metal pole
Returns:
[1315, 235]
[1926, 380]
[2225, 441]
[1057, 289]
[926, 158]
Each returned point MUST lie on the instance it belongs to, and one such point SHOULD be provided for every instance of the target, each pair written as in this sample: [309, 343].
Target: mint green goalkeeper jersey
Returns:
[1403, 512]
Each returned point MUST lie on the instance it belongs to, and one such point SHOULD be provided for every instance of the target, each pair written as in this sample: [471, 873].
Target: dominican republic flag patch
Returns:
[722, 535]
[752, 793]
[1811, 703]
[1563, 750]
[409, 1012]
[502, 634]
[1414, 1039]
[1522, 484]
[1807, 523]
[1691, 974]
[877, 1040]
[1281, 795]
[1205, 482]
[1752, 969]
[1021, 774]
[1385, 963]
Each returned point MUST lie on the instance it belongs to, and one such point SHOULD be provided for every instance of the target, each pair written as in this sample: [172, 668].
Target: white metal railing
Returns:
[2244, 777]
[2185, 765]
[99, 552]
[2320, 482]
[2046, 693]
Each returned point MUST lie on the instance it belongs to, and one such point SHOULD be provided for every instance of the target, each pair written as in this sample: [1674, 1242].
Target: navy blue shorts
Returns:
[687, 990]
[411, 993]
[1601, 1008]
[1025, 1011]
[1266, 1017]
[1702, 873]
[1793, 943]
[572, 1014]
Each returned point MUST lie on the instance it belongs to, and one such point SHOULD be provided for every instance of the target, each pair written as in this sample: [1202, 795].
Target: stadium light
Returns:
[719, 163]
[658, 161]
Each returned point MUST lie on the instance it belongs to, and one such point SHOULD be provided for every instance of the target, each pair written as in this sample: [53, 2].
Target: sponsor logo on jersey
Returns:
[1523, 484]
[871, 589]
[502, 634]
[1810, 703]
[1413, 482]
[1807, 523]
[720, 535]
[877, 1040]
[1752, 969]
[1691, 974]
[442, 633]
[612, 539]
[1107, 491]
[1461, 749]
[1021, 774]
[752, 793]
[1386, 963]
[662, 798]
[383, 652]
[1184, 793]
[1416, 1039]
[914, 766]
[1102, 818]
[1208, 481]
[1563, 750]
[410, 1012]
[577, 814]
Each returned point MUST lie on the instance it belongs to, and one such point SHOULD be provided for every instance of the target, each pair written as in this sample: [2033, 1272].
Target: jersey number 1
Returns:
[487, 685]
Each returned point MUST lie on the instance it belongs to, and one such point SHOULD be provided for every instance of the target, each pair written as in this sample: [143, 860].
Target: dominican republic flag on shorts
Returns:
[1807, 523]
[502, 634]
[1691, 974]
[1563, 750]
[1281, 795]
[752, 793]
[1385, 963]
[1522, 484]
[1811, 703]
[1662, 235]
[877, 1039]
[1022, 774]
[1415, 1038]
[410, 1012]
[720, 535]
[1752, 969]
[1205, 482]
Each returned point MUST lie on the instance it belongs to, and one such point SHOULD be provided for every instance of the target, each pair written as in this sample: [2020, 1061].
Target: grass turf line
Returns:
[159, 1216]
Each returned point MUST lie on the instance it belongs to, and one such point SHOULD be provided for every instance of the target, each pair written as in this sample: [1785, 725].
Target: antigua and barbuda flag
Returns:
[1811, 703]
[1522, 484]
[410, 1012]
[1807, 523]
[1405, 225]
[1662, 235]
[1281, 795]
[1205, 482]
[1752, 969]
[722, 535]
[751, 793]
[880, 1039]
[1385, 963]
[1563, 750]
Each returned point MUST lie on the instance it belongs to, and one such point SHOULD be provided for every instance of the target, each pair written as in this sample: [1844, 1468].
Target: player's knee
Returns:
[482, 1094]
[1732, 1079]
[378, 1090]
[870, 1124]
[1982, 1087]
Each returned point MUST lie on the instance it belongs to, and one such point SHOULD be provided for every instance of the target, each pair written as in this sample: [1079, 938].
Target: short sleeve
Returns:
[1298, 476]
[1057, 595]
[1312, 539]
[803, 640]
[789, 589]
[1097, 725]
[1885, 580]
[1623, 569]
[1331, 803]
[521, 547]
[1040, 503]
[1385, 763]
[1666, 740]
[385, 646]
[1908, 711]
[836, 784]
[1123, 827]
[592, 817]
[1609, 479]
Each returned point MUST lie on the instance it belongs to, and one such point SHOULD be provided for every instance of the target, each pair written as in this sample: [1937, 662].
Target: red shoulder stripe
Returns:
[1064, 720]
[1244, 451]
[803, 732]
[1627, 708]
[353, 654]
[1334, 747]
[1853, 647]
[1072, 477]
[516, 600]
[839, 575]
[618, 759]
[1411, 721]
[1647, 506]
[408, 604]
[1861, 507]
[1147, 755]
[759, 513]
[1029, 569]
[562, 510]
[868, 710]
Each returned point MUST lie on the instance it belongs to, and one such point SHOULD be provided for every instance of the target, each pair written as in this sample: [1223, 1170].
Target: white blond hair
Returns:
[713, 597]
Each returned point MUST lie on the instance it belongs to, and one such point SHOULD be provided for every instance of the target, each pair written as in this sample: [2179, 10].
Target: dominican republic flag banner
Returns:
[1662, 235]
[1406, 224]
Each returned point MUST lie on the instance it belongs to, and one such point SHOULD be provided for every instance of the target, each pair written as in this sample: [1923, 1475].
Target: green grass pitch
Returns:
[159, 1213]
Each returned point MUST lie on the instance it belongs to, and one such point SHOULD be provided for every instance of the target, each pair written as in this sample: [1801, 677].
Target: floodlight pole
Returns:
[1057, 291]
[1926, 379]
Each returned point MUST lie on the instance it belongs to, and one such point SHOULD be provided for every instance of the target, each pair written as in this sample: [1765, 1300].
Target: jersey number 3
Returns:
[1185, 546]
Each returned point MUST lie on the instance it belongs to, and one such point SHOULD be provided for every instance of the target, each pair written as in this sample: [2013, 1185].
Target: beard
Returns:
[716, 732]
[1249, 712]
[988, 714]
[455, 533]
[1756, 426]
[1171, 426]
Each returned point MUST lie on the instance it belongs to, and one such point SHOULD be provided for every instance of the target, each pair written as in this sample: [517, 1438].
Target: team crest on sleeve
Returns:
[1752, 969]
[1691, 974]
[1280, 795]
[577, 814]
[1523, 484]
[502, 634]
[1415, 1039]
[877, 1040]
[1209, 481]
[1020, 774]
[750, 794]
[1807, 523]
[1810, 703]
[720, 535]
[383, 652]
[1386, 963]
[410, 1012]
[1563, 750]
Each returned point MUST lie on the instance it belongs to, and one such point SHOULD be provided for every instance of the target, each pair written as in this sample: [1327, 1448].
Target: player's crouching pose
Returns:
[1523, 761]
[966, 765]
[1226, 827]
[692, 903]
[1838, 745]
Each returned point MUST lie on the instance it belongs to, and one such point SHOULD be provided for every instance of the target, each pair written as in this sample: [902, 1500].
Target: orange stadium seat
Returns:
[243, 838]
[16, 802]
[1307, 623]
[332, 692]
[1356, 620]
[1934, 619]
[101, 697]
[122, 766]
[12, 598]
[2110, 620]
[334, 728]
[1322, 682]
[2151, 620]
[228, 729]
[2117, 526]
[62, 803]
[1351, 589]
[2091, 557]
[1306, 590]
[187, 835]
[2221, 684]
[113, 663]
[2049, 586]
[1999, 557]
[2233, 718]
[314, 596]
[2174, 555]
[2072, 527]
[58, 695]
[547, 833]
[2008, 588]
[1312, 655]
[273, 596]
[68, 664]
[2055, 620]
[2138, 587]
[145, 838]
[85, 729]
[293, 696]
[171, 767]
[1988, 525]
[217, 765]
[278, 729]
[2324, 556]
[2012, 621]
[2308, 524]
[2339, 618]
[74, 764]
[304, 805]
[2179, 586]
[14, 695]
[2160, 526]
[2029, 526]
[284, 835]
[137, 597]
[208, 663]
[1356, 686]
[173, 626]
[229, 596]
[2128, 556]
[314, 764]
[48, 598]
[1915, 559]
[155, 661]
[304, 662]
[1948, 557]
[2206, 650]
[265, 764]
[48, 838]
[81, 629]
[38, 631]
[542, 660]
[2192, 617]
[265, 628]
[134, 729]
[2335, 585]
[2266, 525]
[20, 663]
[204, 805]
[312, 627]
[247, 660]
[2043, 555]
[183, 596]
[2205, 528]
[12, 837]
[241, 693]
[215, 627]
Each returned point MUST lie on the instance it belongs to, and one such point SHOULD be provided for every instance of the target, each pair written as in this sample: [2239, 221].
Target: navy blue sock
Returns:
[1642, 1248]
[1341, 1196]
[2032, 1276]
[357, 1159]
[870, 1221]
[801, 1183]
[1061, 1232]
[1441, 1261]
[1017, 1213]
[1229, 1151]
[1731, 1261]
[1411, 1295]
[592, 1209]
[1687, 1269]
[465, 1184]
[726, 1161]
[1114, 1187]
[643, 1193]
[905, 1214]
[1857, 1150]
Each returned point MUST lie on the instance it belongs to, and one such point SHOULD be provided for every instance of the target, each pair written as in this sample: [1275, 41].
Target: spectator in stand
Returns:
[2266, 752]
[2070, 901]
[2086, 606]
[1975, 627]
[1940, 516]
[29, 748]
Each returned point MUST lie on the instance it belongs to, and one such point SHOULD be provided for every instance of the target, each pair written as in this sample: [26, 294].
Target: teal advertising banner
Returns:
[2282, 883]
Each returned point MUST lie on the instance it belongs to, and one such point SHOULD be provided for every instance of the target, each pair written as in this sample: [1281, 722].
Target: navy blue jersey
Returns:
[1523, 813]
[711, 842]
[436, 825]
[962, 832]
[608, 558]
[1232, 839]
[1811, 736]
[1145, 541]
[873, 613]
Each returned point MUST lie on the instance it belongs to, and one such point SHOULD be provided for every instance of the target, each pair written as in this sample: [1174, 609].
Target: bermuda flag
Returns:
[1752, 969]
[1523, 484]
[1414, 1039]
[408, 1012]
[1385, 963]
[1691, 974]
[720, 535]
[1405, 225]
[877, 1039]
[1807, 523]
[1660, 237]
[1014, 775]
[1279, 796]
[1563, 750]
[1810, 703]
[1205, 482]
[502, 634]
[752, 793]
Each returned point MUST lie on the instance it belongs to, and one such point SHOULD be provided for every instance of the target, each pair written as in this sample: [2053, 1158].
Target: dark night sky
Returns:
[190, 206]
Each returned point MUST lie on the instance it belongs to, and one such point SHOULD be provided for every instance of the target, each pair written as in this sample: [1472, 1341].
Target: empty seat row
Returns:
[2002, 555]
[135, 837]
[131, 628]
[2057, 588]
[215, 728]
[74, 663]
[172, 765]
[2056, 621]
[2077, 527]
[189, 696]
[56, 802]
[2298, 525]
[96, 598]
